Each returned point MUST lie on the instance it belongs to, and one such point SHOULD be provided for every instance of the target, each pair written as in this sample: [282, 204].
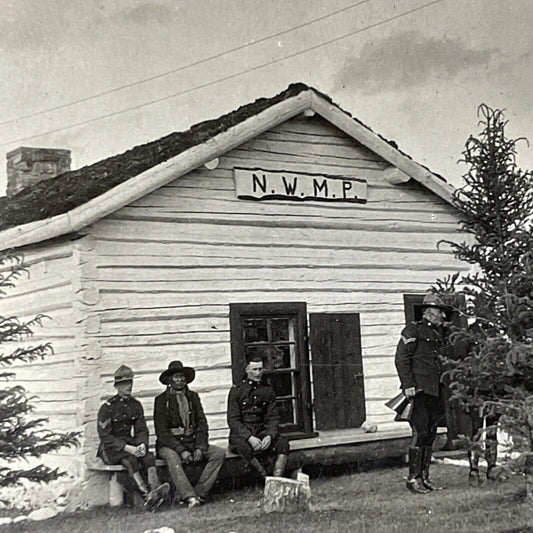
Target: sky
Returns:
[98, 77]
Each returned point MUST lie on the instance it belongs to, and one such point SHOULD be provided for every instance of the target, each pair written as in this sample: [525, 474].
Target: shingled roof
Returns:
[72, 189]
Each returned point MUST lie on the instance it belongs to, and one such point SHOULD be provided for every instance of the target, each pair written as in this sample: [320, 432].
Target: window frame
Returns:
[240, 311]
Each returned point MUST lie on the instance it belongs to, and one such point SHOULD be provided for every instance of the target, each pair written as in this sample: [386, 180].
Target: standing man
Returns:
[253, 420]
[419, 368]
[124, 439]
[182, 434]
[469, 418]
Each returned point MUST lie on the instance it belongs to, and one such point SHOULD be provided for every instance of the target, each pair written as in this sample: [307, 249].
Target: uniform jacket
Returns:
[121, 421]
[252, 410]
[167, 418]
[418, 356]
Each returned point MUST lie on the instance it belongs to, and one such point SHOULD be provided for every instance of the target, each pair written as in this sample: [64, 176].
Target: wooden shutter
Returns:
[339, 397]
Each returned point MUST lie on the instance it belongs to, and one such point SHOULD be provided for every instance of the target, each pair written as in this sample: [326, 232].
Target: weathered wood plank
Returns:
[240, 287]
[65, 348]
[258, 221]
[47, 253]
[355, 274]
[29, 287]
[350, 154]
[217, 233]
[379, 197]
[157, 339]
[188, 255]
[262, 160]
[314, 126]
[46, 370]
[154, 326]
[382, 386]
[142, 358]
[379, 366]
[228, 210]
[311, 137]
[363, 302]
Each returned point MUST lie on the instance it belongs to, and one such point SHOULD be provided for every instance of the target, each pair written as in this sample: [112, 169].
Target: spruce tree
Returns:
[22, 435]
[496, 207]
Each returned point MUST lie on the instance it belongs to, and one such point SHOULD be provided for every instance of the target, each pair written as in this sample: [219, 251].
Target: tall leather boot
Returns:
[414, 480]
[141, 485]
[159, 492]
[473, 474]
[259, 467]
[279, 465]
[428, 450]
[491, 454]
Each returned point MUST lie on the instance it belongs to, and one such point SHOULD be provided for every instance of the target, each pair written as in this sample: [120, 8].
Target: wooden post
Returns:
[285, 495]
[116, 492]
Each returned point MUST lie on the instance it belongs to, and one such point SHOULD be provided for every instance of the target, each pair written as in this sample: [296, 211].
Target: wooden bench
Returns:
[233, 466]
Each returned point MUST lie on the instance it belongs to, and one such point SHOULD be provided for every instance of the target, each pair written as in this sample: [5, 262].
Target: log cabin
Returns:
[286, 228]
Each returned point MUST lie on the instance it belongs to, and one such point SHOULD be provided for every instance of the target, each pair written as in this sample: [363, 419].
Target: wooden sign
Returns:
[260, 184]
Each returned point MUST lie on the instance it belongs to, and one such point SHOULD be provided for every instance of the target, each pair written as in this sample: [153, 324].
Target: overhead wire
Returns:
[225, 78]
[184, 67]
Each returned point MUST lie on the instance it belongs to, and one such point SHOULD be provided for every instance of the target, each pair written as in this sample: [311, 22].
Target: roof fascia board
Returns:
[372, 141]
[155, 177]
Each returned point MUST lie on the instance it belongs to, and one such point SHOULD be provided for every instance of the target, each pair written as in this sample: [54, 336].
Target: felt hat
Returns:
[175, 367]
[433, 300]
[123, 373]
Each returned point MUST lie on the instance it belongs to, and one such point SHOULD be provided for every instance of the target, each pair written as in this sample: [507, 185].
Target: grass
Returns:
[374, 501]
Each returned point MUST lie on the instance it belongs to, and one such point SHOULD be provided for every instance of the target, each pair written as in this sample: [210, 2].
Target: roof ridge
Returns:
[81, 185]
[71, 189]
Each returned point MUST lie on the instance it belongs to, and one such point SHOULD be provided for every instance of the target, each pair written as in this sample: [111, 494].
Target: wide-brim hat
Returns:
[175, 367]
[123, 373]
[433, 300]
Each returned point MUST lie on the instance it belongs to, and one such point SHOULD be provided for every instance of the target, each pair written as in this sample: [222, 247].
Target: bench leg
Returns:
[116, 492]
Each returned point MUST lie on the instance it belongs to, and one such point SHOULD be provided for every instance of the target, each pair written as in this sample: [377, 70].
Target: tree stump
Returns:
[286, 495]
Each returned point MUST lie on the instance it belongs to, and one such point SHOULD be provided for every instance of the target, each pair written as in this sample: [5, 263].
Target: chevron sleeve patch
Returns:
[104, 423]
[408, 340]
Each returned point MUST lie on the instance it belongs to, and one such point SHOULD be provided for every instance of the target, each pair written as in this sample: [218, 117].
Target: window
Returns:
[277, 333]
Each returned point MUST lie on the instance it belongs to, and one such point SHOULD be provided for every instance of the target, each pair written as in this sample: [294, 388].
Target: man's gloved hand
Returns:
[198, 455]
[266, 442]
[186, 457]
[410, 392]
[255, 443]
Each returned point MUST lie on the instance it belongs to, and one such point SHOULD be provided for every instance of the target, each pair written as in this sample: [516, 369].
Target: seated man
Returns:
[124, 439]
[253, 420]
[182, 434]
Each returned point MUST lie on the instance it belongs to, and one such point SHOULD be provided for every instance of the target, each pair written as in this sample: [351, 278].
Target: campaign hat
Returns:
[122, 374]
[433, 300]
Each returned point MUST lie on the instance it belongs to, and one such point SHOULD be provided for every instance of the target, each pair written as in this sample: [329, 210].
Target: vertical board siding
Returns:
[167, 266]
[335, 340]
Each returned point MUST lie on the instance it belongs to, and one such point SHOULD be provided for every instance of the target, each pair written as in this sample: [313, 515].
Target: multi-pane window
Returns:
[274, 340]
[277, 333]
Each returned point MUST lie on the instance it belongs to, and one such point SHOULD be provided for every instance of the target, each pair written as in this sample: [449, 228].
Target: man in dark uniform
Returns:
[253, 420]
[419, 369]
[470, 419]
[182, 435]
[124, 440]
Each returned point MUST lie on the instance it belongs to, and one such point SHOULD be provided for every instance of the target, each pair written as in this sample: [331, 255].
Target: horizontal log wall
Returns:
[51, 287]
[163, 270]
